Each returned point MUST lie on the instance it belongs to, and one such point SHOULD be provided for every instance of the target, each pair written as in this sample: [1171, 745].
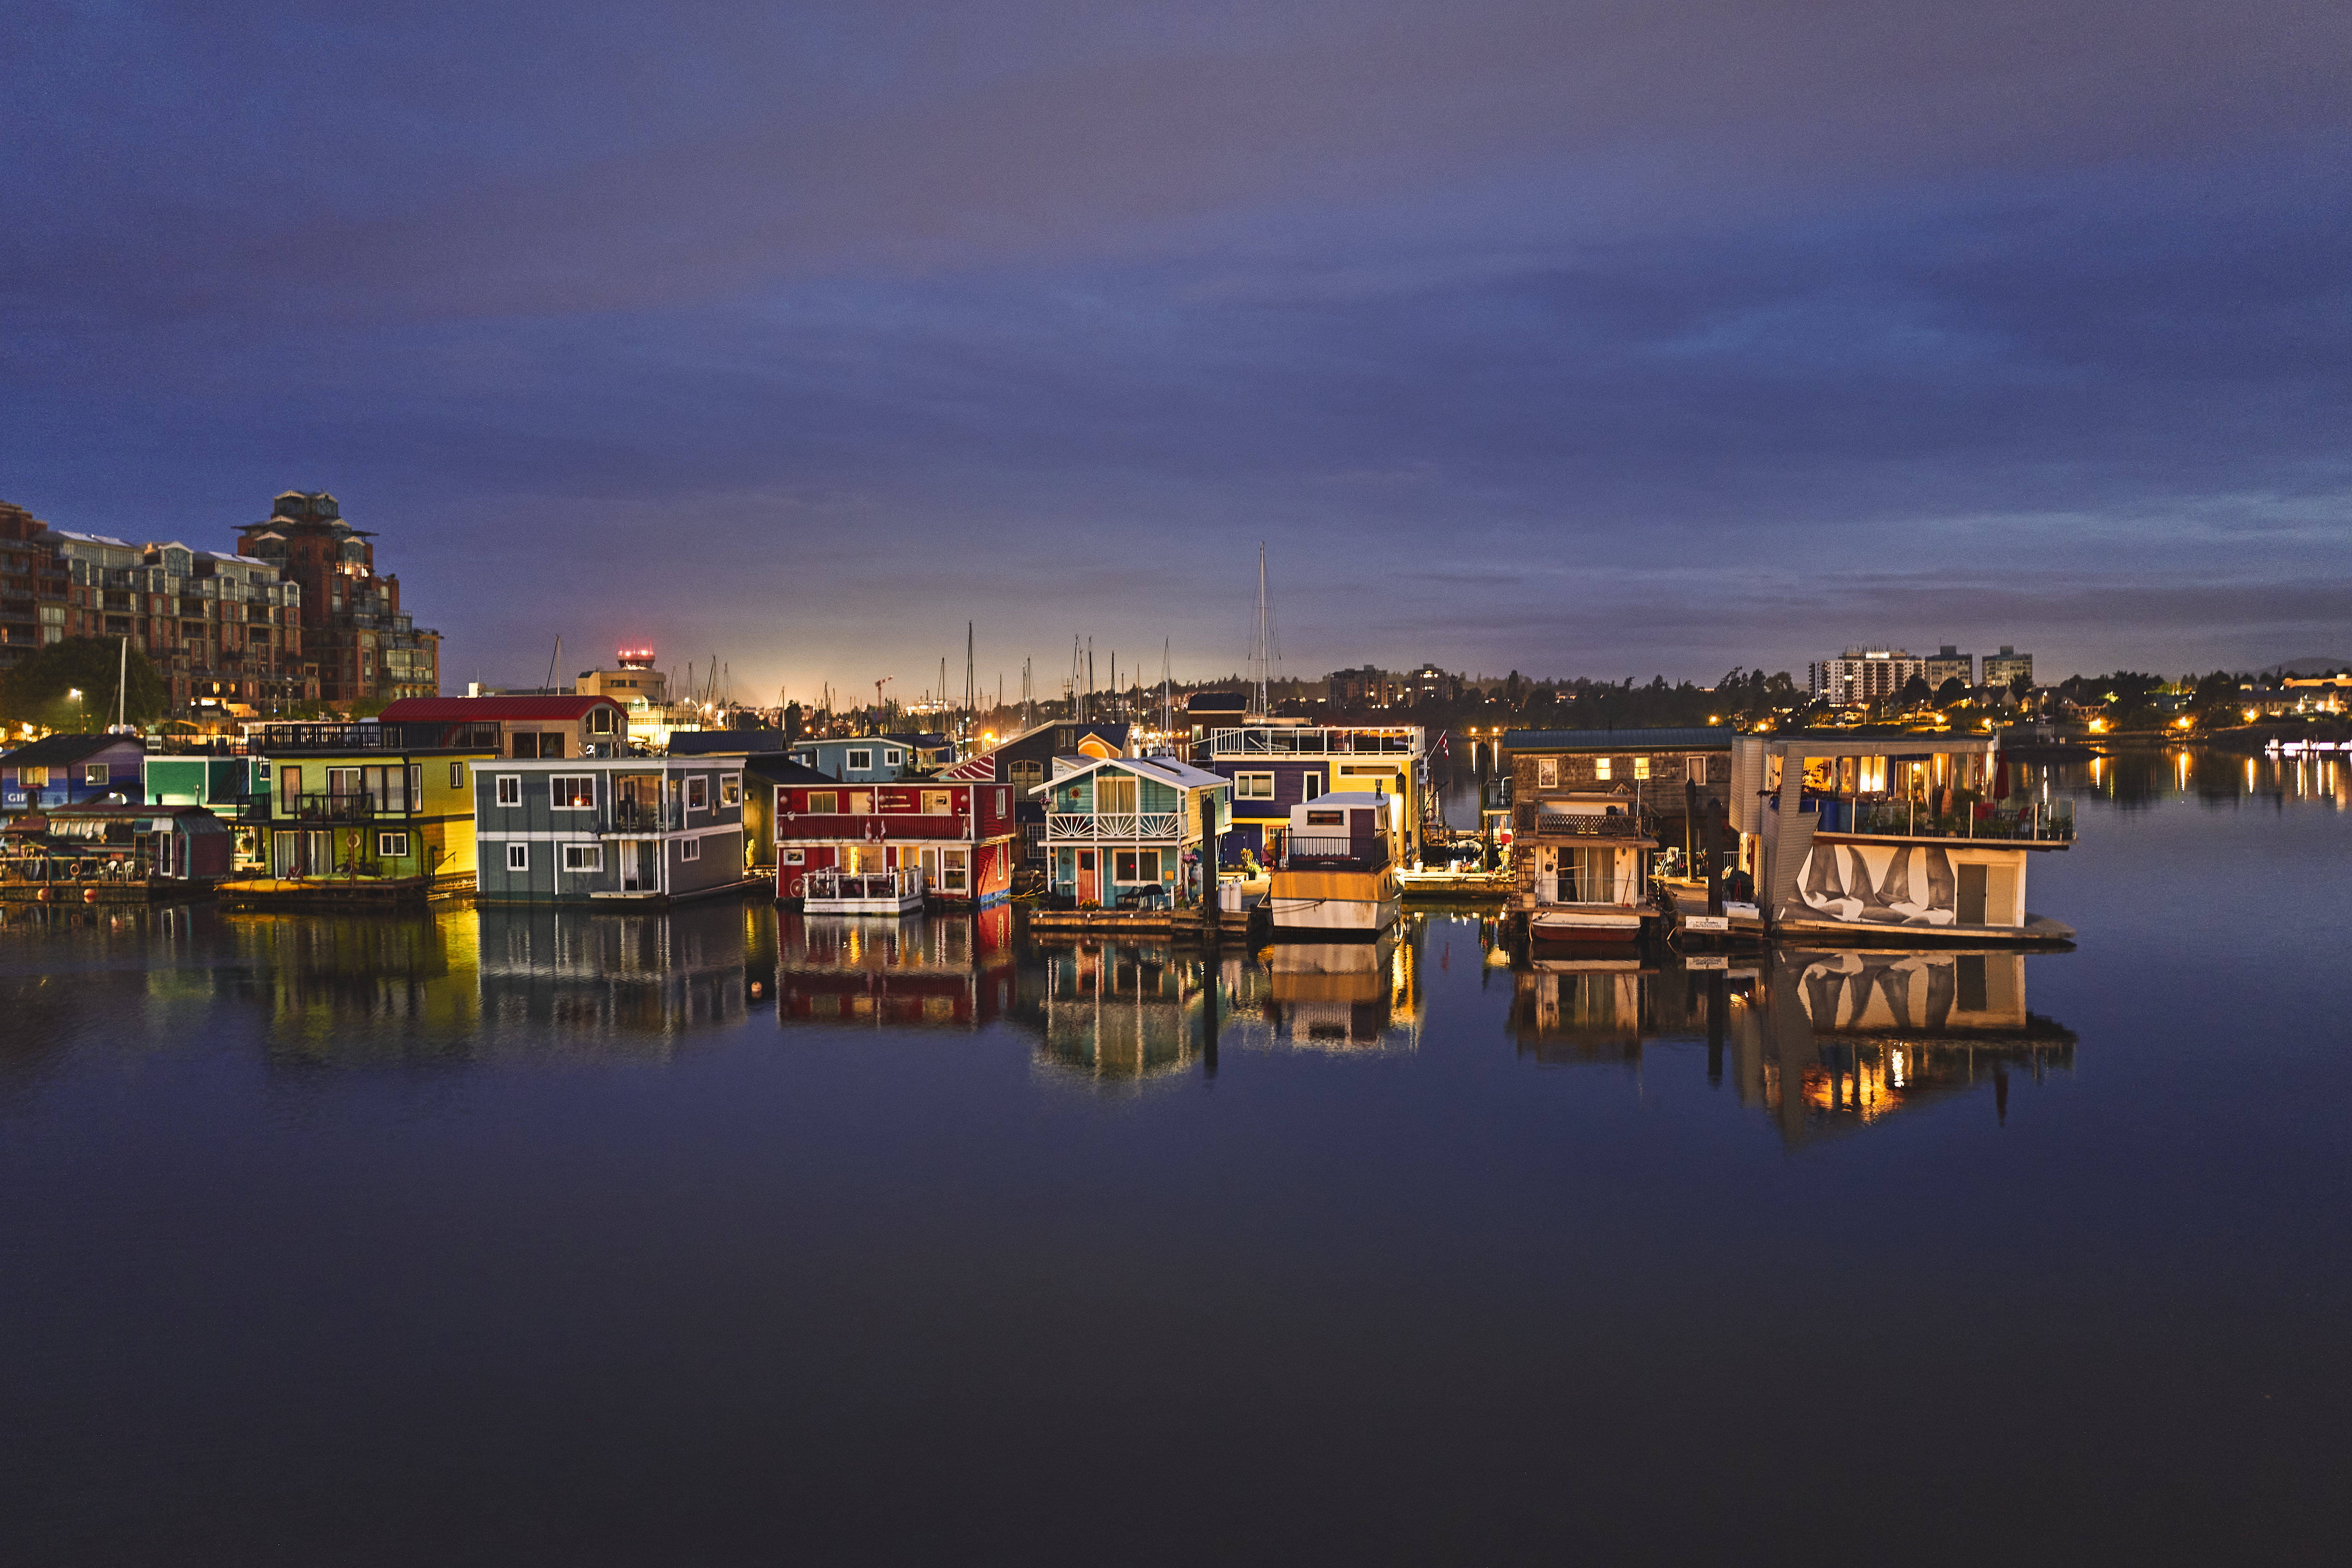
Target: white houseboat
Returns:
[1584, 866]
[1338, 875]
[837, 892]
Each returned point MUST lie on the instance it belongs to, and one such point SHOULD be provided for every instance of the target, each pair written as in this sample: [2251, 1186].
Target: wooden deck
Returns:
[341, 892]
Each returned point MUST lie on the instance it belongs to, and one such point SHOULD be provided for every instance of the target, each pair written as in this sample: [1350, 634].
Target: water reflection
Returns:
[649, 974]
[1820, 1041]
[928, 971]
[2143, 777]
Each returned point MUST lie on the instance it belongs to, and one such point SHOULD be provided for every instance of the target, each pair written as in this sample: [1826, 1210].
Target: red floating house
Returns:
[958, 832]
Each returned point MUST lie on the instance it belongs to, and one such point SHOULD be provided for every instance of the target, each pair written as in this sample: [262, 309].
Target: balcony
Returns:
[621, 817]
[277, 738]
[1075, 826]
[1275, 741]
[2033, 824]
[327, 809]
[872, 825]
[1638, 822]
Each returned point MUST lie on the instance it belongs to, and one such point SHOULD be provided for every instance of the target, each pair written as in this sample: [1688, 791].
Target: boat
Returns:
[1587, 866]
[1337, 875]
[832, 893]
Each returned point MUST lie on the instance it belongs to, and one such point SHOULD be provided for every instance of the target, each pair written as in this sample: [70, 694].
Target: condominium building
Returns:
[1950, 663]
[361, 645]
[2000, 669]
[1864, 675]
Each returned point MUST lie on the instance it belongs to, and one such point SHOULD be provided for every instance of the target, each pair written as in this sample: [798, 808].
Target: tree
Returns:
[1952, 693]
[2020, 686]
[1915, 691]
[35, 691]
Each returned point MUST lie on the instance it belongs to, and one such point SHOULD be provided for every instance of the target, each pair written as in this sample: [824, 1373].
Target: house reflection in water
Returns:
[1351, 995]
[945, 971]
[317, 975]
[596, 974]
[1119, 1013]
[1821, 1041]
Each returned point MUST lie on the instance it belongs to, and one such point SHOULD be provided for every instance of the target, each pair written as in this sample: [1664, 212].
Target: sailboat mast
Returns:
[1261, 630]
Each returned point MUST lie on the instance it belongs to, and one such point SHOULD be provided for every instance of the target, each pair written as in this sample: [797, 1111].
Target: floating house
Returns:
[1896, 838]
[97, 854]
[360, 802]
[1659, 774]
[235, 788]
[70, 770]
[524, 727]
[1273, 769]
[625, 830]
[1117, 826]
[959, 836]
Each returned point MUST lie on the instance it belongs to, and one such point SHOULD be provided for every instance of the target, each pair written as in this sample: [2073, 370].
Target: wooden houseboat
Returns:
[103, 854]
[617, 830]
[1118, 827]
[952, 840]
[832, 891]
[1338, 874]
[1583, 860]
[1277, 768]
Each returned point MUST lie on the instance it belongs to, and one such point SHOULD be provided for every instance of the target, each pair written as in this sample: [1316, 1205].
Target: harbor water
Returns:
[728, 1235]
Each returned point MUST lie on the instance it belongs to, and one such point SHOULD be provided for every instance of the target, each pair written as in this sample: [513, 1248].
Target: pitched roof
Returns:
[58, 751]
[488, 710]
[1163, 770]
[777, 767]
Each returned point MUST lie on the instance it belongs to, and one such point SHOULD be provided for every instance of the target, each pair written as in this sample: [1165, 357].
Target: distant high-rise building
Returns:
[1950, 663]
[362, 646]
[2000, 669]
[1864, 675]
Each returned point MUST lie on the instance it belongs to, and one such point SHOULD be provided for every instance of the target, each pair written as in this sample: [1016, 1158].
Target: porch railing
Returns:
[2033, 824]
[842, 885]
[1283, 742]
[1335, 852]
[1148, 824]
[358, 808]
[1581, 825]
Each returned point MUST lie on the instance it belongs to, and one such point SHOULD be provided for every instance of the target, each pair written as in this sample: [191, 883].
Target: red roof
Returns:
[485, 709]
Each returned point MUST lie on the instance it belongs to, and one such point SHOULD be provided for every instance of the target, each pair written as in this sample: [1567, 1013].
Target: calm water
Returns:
[732, 1236]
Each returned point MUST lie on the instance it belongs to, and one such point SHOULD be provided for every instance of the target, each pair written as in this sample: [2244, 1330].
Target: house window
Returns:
[509, 789]
[1601, 767]
[96, 774]
[1148, 869]
[938, 802]
[892, 759]
[698, 792]
[600, 722]
[731, 789]
[1697, 766]
[861, 802]
[795, 856]
[861, 761]
[1327, 819]
[518, 857]
[1310, 786]
[457, 775]
[1117, 792]
[583, 857]
[1123, 866]
[391, 845]
[571, 792]
[951, 871]
[1026, 775]
[1546, 773]
[1253, 787]
[824, 802]
[1641, 767]
[690, 848]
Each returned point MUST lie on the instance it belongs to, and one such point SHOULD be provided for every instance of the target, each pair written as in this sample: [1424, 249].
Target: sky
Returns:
[1608, 340]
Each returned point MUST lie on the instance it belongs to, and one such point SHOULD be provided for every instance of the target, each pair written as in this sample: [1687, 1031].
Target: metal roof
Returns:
[1685, 739]
[488, 710]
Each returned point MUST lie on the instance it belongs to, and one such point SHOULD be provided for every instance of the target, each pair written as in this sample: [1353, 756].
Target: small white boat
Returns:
[863, 892]
[1585, 923]
[1338, 875]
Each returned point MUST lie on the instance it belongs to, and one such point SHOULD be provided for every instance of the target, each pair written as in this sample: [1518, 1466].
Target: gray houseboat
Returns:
[627, 830]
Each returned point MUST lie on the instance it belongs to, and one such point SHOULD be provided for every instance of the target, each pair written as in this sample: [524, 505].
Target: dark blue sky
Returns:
[1605, 339]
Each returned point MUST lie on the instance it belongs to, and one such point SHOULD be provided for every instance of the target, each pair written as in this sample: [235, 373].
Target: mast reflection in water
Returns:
[1820, 1040]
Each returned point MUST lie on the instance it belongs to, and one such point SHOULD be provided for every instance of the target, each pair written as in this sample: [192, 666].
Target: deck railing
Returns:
[1282, 741]
[863, 885]
[642, 817]
[2033, 824]
[1066, 825]
[1634, 823]
[356, 807]
[1335, 852]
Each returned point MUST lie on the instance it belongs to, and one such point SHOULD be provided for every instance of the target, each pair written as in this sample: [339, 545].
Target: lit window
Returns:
[583, 857]
[96, 774]
[1546, 772]
[1641, 767]
[571, 792]
[518, 857]
[731, 789]
[824, 802]
[938, 802]
[509, 789]
[698, 792]
[1253, 787]
[1601, 767]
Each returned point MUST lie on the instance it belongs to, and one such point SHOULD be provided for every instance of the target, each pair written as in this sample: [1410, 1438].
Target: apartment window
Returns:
[96, 774]
[1641, 767]
[698, 792]
[824, 802]
[583, 857]
[1546, 773]
[391, 845]
[518, 857]
[795, 856]
[938, 802]
[690, 848]
[509, 789]
[571, 792]
[731, 789]
[1697, 764]
[1253, 787]
[1601, 767]
[861, 761]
